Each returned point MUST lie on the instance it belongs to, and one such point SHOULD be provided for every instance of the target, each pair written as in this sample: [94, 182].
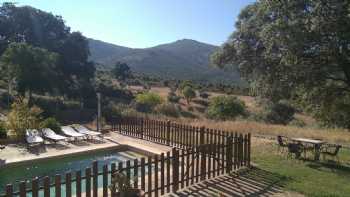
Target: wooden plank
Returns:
[9, 190]
[46, 186]
[162, 174]
[175, 166]
[105, 181]
[182, 163]
[156, 175]
[168, 172]
[149, 183]
[203, 162]
[215, 159]
[223, 152]
[197, 163]
[136, 173]
[143, 174]
[235, 151]
[168, 138]
[58, 185]
[192, 165]
[94, 179]
[229, 153]
[78, 183]
[88, 182]
[187, 167]
[249, 148]
[23, 191]
[68, 184]
[128, 169]
[35, 187]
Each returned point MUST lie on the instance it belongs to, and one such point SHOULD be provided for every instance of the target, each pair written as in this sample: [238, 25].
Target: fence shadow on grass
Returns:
[337, 168]
[255, 182]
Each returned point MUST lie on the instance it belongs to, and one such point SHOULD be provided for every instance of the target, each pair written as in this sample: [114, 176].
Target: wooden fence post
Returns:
[202, 149]
[78, 183]
[23, 191]
[105, 181]
[229, 153]
[68, 184]
[168, 132]
[58, 185]
[9, 190]
[249, 148]
[46, 186]
[35, 187]
[142, 128]
[88, 182]
[175, 170]
[95, 178]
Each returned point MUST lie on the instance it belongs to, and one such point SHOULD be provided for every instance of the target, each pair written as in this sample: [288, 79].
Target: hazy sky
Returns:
[145, 23]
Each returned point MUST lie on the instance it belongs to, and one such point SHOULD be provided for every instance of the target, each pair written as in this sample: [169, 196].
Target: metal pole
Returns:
[98, 112]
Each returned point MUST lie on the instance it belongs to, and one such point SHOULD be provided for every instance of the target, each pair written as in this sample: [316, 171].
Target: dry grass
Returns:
[256, 128]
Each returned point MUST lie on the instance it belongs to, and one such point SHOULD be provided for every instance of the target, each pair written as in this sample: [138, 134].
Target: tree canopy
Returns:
[32, 68]
[293, 49]
[41, 29]
[121, 71]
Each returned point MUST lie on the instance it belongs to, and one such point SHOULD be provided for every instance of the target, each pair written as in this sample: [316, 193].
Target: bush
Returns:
[172, 97]
[168, 109]
[3, 130]
[226, 107]
[51, 123]
[145, 102]
[204, 95]
[22, 117]
[188, 93]
[279, 113]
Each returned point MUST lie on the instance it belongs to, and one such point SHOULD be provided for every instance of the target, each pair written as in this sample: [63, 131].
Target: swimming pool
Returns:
[27, 171]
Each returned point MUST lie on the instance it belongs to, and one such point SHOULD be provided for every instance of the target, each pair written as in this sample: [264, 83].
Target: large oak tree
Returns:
[295, 49]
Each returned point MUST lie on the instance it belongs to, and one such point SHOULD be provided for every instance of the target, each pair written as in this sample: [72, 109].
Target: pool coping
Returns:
[119, 147]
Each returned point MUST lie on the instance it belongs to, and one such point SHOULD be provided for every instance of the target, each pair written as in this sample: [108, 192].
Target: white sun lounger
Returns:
[70, 132]
[33, 137]
[51, 135]
[83, 130]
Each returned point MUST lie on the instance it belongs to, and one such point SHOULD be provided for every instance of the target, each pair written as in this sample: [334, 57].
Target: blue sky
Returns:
[146, 23]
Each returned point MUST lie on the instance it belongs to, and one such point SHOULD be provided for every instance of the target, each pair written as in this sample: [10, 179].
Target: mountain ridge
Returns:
[181, 59]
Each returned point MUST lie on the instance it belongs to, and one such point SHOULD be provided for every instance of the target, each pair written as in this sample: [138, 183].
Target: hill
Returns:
[182, 59]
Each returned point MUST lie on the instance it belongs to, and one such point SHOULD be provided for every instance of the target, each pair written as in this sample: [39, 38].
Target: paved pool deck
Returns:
[17, 153]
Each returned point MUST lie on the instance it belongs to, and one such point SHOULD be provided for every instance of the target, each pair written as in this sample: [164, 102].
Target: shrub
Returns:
[172, 97]
[51, 123]
[188, 93]
[168, 109]
[22, 117]
[226, 107]
[145, 102]
[3, 130]
[279, 113]
[204, 95]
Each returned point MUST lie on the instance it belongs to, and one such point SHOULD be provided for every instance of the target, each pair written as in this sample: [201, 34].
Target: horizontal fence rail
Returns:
[198, 154]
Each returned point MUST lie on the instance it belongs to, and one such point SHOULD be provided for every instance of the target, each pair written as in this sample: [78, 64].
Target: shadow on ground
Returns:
[255, 182]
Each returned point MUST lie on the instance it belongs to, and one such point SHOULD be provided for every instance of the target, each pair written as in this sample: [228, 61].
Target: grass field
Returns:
[314, 179]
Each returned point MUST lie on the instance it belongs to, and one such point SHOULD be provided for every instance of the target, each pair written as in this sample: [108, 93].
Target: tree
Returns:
[147, 101]
[44, 30]
[188, 93]
[121, 71]
[32, 68]
[225, 107]
[288, 49]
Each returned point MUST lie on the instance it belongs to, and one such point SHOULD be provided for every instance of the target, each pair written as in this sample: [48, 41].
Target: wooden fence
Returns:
[198, 154]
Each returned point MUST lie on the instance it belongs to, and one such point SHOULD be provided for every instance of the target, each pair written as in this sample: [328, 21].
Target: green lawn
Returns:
[314, 179]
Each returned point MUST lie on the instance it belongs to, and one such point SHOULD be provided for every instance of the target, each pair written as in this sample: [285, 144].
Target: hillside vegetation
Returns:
[183, 59]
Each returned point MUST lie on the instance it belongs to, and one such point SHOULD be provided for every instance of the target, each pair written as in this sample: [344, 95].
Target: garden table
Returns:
[316, 143]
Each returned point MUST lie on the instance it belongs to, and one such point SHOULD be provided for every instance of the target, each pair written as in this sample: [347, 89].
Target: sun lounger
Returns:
[51, 135]
[70, 132]
[83, 130]
[33, 137]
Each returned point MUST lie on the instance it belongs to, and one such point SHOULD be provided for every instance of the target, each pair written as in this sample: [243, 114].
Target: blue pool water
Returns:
[16, 173]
